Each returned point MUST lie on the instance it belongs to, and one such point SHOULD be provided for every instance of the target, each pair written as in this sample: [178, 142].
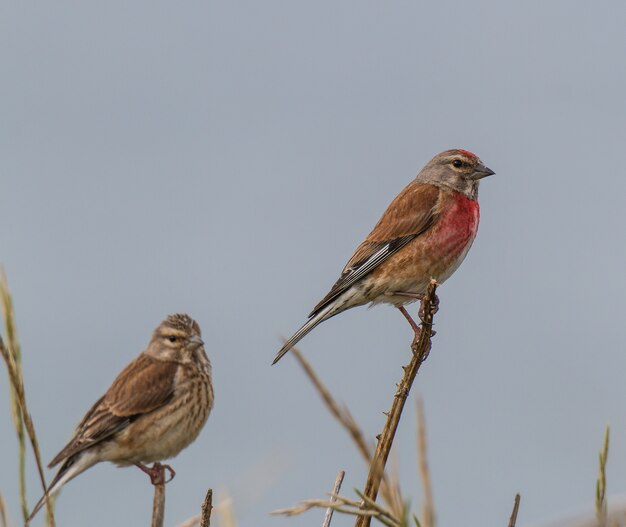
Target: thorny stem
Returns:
[420, 349]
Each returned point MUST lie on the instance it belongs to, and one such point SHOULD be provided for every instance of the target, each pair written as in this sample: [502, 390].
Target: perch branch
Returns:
[421, 348]
[158, 503]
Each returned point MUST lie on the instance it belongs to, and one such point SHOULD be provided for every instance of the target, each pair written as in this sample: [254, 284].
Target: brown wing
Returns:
[143, 386]
[411, 213]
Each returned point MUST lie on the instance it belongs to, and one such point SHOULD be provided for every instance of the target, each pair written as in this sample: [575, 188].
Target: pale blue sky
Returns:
[225, 158]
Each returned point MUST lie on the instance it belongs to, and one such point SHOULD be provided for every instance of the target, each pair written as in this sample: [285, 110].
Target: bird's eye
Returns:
[457, 163]
[172, 338]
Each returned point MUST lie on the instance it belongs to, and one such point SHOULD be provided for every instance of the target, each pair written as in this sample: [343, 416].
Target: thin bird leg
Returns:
[414, 326]
[157, 472]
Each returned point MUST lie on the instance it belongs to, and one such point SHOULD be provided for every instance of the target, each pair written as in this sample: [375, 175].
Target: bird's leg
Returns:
[421, 313]
[414, 326]
[157, 472]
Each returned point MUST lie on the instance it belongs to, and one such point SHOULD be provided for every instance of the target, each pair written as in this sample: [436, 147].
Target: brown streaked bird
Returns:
[155, 407]
[424, 234]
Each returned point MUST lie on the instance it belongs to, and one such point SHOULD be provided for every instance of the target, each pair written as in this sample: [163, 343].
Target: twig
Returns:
[428, 508]
[336, 488]
[601, 510]
[421, 348]
[207, 507]
[344, 416]
[158, 503]
[513, 518]
[345, 506]
[12, 357]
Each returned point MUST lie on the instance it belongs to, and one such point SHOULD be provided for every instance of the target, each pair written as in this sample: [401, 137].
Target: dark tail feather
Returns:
[72, 467]
[324, 314]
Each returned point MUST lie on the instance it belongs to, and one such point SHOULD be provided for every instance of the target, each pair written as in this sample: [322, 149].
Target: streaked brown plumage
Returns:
[424, 234]
[155, 407]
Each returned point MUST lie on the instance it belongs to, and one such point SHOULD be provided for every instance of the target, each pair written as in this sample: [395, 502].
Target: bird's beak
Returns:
[194, 343]
[481, 171]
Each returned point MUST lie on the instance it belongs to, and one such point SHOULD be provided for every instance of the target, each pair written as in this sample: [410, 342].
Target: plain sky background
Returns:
[225, 158]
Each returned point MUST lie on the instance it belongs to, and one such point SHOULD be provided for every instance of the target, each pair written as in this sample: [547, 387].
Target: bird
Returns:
[155, 407]
[425, 233]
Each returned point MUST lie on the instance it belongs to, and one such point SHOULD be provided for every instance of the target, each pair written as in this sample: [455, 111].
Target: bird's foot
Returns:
[157, 472]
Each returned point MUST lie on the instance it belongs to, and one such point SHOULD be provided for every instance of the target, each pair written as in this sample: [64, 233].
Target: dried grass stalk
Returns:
[22, 420]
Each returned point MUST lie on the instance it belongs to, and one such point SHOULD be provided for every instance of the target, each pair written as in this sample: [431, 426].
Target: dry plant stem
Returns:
[15, 354]
[336, 488]
[158, 503]
[513, 518]
[3, 513]
[224, 511]
[601, 508]
[207, 507]
[421, 348]
[12, 357]
[345, 506]
[343, 415]
[428, 508]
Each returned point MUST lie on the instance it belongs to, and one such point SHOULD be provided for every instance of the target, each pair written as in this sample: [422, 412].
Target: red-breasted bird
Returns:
[155, 407]
[424, 234]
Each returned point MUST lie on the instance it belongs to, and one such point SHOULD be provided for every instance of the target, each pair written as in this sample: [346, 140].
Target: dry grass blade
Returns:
[428, 507]
[207, 507]
[601, 509]
[343, 415]
[224, 508]
[420, 351]
[344, 505]
[12, 357]
[3, 513]
[336, 488]
[513, 518]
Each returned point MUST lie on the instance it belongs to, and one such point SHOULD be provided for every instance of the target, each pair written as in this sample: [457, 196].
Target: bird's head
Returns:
[177, 338]
[457, 169]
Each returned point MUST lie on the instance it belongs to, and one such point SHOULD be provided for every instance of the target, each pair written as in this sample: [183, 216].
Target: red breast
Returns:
[439, 251]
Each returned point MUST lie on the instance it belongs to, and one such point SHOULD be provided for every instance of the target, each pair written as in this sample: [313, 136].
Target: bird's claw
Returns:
[156, 472]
